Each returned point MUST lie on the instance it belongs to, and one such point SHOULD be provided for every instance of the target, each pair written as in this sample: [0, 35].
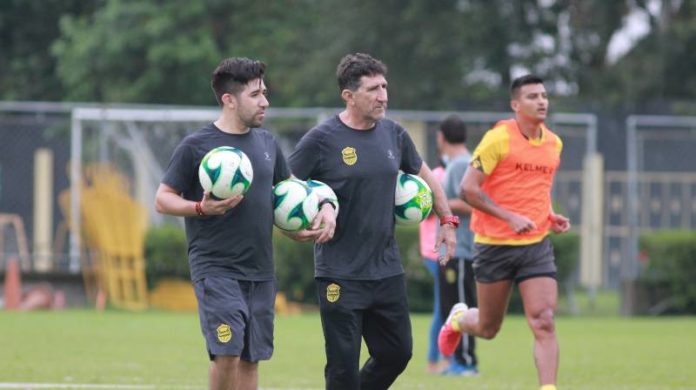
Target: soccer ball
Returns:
[294, 205]
[323, 191]
[413, 199]
[225, 172]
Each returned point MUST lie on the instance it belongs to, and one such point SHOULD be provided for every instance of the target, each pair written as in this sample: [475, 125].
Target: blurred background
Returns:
[94, 96]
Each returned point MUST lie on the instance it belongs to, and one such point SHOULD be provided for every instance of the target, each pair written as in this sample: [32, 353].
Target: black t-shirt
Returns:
[237, 244]
[361, 167]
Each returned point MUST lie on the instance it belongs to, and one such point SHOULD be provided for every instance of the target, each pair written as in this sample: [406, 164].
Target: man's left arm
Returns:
[446, 233]
[559, 223]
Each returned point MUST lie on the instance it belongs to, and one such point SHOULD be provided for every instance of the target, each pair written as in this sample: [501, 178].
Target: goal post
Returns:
[140, 140]
[128, 130]
[661, 183]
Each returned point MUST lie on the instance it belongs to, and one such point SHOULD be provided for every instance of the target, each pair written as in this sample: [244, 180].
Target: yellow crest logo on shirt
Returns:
[350, 156]
[224, 333]
[333, 292]
[476, 163]
[450, 276]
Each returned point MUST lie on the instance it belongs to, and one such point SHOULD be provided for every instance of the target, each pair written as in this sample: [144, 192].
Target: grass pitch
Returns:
[166, 350]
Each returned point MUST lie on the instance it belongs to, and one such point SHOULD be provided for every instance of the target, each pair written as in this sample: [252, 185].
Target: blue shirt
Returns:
[452, 183]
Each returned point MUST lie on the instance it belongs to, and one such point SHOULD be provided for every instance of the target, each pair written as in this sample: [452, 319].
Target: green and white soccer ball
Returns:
[413, 199]
[323, 191]
[294, 205]
[225, 172]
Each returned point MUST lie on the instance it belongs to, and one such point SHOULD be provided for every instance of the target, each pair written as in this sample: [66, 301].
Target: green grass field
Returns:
[166, 350]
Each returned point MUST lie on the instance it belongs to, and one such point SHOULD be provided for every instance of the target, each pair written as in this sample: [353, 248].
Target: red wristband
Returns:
[199, 209]
[451, 219]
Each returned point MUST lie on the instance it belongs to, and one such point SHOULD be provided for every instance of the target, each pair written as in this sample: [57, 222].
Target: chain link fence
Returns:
[34, 155]
[138, 141]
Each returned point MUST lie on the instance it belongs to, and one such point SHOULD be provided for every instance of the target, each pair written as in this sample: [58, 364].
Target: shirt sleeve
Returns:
[281, 171]
[304, 160]
[411, 161]
[180, 172]
[559, 145]
[453, 178]
[490, 151]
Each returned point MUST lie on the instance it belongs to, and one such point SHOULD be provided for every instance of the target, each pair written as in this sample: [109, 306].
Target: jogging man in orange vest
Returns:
[508, 184]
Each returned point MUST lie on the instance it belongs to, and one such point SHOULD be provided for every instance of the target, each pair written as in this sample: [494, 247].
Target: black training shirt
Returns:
[361, 167]
[237, 244]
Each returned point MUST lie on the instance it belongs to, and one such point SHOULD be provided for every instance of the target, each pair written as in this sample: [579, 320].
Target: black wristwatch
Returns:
[325, 201]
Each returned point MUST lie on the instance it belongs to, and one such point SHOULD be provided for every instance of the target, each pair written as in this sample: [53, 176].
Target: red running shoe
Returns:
[449, 338]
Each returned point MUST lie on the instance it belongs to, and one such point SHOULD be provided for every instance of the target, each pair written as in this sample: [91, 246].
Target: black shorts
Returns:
[236, 317]
[493, 263]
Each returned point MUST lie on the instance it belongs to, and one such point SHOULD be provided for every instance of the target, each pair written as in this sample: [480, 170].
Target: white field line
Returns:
[5, 385]
[31, 386]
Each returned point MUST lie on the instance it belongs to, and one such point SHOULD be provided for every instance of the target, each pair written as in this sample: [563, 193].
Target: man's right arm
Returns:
[169, 201]
[303, 162]
[474, 195]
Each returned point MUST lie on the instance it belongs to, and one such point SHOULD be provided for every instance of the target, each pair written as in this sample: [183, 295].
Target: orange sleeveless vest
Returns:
[521, 182]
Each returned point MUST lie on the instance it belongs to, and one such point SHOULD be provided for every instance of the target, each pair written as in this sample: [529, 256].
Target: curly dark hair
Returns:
[354, 66]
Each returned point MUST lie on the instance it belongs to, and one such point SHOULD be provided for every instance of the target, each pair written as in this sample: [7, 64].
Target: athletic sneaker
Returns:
[457, 369]
[438, 367]
[449, 337]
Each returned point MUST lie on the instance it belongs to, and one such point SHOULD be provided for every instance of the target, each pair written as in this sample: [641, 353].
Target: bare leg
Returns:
[540, 296]
[485, 321]
[223, 372]
[248, 375]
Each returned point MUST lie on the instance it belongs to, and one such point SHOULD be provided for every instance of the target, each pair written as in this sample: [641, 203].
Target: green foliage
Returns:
[419, 283]
[670, 268]
[664, 54]
[166, 254]
[294, 262]
[566, 249]
[165, 52]
[28, 28]
[440, 53]
[138, 52]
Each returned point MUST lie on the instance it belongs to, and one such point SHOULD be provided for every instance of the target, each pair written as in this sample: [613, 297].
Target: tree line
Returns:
[442, 55]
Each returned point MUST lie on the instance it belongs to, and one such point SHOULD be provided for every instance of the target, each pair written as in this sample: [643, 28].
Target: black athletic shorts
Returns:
[236, 317]
[493, 263]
